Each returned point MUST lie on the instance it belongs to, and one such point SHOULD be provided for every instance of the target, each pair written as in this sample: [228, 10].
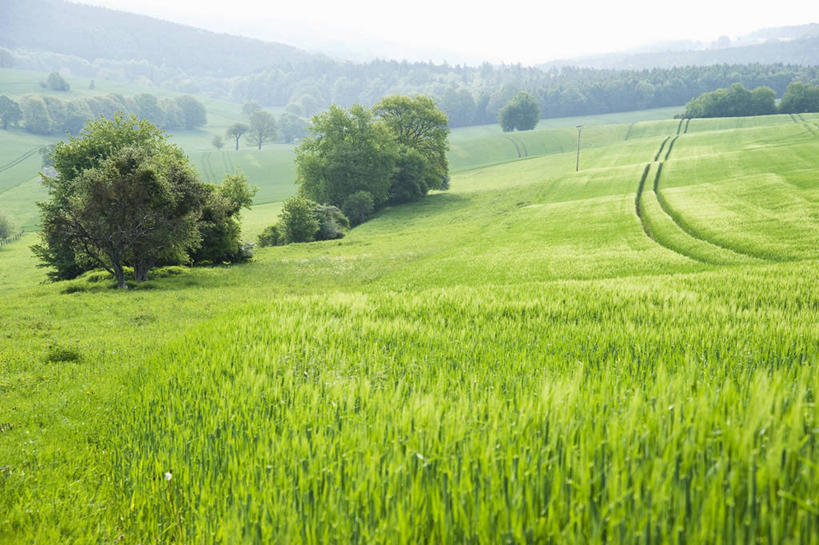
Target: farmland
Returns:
[627, 353]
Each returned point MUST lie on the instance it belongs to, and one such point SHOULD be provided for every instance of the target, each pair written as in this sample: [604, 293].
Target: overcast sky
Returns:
[473, 31]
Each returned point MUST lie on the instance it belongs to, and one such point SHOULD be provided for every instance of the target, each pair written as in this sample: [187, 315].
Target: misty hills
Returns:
[93, 33]
[94, 42]
[781, 45]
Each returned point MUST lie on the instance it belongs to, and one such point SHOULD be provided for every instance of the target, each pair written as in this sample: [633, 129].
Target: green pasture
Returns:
[537, 355]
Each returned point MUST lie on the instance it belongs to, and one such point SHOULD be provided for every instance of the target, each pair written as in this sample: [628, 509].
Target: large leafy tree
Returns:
[417, 124]
[800, 97]
[346, 152]
[123, 195]
[263, 127]
[219, 223]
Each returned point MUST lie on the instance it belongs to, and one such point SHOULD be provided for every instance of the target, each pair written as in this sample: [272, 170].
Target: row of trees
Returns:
[51, 115]
[736, 101]
[475, 95]
[263, 127]
[124, 196]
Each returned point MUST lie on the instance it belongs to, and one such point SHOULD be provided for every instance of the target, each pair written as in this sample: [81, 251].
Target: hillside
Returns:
[781, 45]
[108, 45]
[93, 33]
[628, 352]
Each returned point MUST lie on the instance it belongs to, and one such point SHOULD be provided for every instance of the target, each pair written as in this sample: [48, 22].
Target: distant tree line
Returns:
[85, 41]
[45, 114]
[475, 95]
[737, 101]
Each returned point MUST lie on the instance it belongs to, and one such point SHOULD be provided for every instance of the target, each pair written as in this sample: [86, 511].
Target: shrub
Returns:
[56, 82]
[298, 220]
[57, 353]
[332, 222]
[272, 236]
[358, 207]
[6, 228]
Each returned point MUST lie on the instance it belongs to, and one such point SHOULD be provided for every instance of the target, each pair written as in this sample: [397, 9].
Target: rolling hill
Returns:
[624, 353]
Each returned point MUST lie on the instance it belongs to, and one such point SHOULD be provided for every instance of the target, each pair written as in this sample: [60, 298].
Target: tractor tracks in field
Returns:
[19, 159]
[665, 226]
[799, 119]
[520, 147]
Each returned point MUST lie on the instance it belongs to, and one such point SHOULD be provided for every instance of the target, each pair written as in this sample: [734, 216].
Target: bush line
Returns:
[13, 238]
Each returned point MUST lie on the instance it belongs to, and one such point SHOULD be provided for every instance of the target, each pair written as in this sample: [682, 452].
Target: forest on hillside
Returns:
[86, 41]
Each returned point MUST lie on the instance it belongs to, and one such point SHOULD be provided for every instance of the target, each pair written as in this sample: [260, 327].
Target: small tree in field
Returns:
[56, 82]
[263, 127]
[236, 131]
[122, 195]
[521, 113]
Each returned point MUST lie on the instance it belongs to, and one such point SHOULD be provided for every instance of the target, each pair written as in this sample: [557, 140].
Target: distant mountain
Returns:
[782, 45]
[92, 33]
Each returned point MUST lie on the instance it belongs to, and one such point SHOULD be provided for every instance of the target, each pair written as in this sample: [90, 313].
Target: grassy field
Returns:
[272, 169]
[625, 354]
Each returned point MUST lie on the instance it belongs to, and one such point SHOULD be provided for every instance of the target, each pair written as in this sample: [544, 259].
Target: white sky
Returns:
[473, 31]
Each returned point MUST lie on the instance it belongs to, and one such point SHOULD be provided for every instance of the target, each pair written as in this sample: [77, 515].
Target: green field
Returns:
[625, 354]
[272, 169]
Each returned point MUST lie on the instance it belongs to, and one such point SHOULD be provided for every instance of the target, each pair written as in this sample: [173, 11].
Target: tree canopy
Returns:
[124, 196]
[345, 152]
[263, 127]
[10, 112]
[800, 98]
[236, 131]
[521, 113]
[417, 124]
[394, 153]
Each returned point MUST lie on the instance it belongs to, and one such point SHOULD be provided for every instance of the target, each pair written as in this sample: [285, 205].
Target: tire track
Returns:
[659, 151]
[19, 159]
[669, 214]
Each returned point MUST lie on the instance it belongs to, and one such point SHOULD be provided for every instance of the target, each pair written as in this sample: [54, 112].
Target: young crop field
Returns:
[624, 354]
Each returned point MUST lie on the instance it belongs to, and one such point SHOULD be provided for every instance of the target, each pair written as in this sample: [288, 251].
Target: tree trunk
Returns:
[141, 272]
[237, 143]
[119, 274]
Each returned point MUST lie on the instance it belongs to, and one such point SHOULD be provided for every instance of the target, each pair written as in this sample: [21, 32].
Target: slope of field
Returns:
[512, 361]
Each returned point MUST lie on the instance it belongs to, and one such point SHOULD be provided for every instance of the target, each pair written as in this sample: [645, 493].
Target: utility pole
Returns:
[577, 164]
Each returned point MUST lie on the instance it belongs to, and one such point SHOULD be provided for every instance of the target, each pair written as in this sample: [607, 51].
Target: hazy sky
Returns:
[472, 31]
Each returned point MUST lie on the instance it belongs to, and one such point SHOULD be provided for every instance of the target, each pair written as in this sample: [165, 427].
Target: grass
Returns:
[511, 361]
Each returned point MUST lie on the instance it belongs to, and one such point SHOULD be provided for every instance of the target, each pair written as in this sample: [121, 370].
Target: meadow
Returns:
[624, 354]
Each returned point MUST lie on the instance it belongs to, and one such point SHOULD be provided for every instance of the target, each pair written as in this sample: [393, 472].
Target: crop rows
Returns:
[545, 413]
